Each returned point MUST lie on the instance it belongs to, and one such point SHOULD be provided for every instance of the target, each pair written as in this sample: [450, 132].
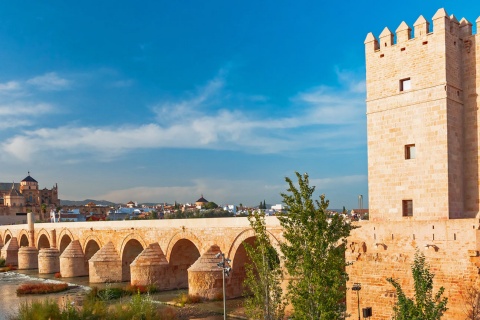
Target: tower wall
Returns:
[415, 96]
[422, 91]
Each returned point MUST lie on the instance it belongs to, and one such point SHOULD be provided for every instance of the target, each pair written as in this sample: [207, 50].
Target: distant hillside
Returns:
[84, 202]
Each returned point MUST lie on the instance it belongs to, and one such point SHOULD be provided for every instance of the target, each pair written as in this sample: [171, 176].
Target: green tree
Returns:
[424, 305]
[314, 253]
[263, 275]
[210, 205]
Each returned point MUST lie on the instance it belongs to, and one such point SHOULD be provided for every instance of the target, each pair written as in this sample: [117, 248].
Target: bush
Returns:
[133, 289]
[58, 275]
[110, 293]
[185, 298]
[2, 262]
[46, 309]
[40, 288]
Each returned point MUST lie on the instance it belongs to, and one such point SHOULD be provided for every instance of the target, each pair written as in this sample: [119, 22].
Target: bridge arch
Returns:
[182, 251]
[91, 246]
[238, 255]
[132, 246]
[23, 238]
[8, 236]
[179, 236]
[249, 234]
[43, 240]
[64, 238]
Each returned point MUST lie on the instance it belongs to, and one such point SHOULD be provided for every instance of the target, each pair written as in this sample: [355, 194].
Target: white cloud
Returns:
[353, 81]
[19, 114]
[321, 117]
[189, 108]
[9, 86]
[21, 109]
[49, 82]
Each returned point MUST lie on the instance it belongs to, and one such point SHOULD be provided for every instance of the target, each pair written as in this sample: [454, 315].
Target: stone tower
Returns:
[422, 119]
[423, 163]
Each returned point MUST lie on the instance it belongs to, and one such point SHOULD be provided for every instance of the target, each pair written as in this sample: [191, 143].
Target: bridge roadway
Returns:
[170, 254]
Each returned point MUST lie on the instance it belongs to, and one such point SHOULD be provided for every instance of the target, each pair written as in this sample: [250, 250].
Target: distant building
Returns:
[201, 202]
[23, 197]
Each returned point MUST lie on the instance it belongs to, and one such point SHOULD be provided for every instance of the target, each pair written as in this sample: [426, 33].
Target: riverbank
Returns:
[9, 282]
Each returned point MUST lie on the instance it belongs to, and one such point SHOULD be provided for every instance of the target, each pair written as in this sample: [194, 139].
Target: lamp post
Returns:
[357, 287]
[225, 271]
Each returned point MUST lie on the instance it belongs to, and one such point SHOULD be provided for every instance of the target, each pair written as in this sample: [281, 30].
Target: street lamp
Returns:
[225, 271]
[357, 287]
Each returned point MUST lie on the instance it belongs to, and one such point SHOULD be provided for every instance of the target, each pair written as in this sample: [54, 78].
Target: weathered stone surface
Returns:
[152, 268]
[182, 242]
[10, 252]
[48, 260]
[421, 92]
[105, 265]
[205, 276]
[27, 258]
[72, 261]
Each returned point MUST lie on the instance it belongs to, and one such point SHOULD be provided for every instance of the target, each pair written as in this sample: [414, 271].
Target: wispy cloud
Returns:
[49, 82]
[9, 86]
[205, 118]
[19, 109]
[19, 114]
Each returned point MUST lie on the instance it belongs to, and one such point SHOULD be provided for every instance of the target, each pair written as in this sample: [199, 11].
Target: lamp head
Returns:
[356, 286]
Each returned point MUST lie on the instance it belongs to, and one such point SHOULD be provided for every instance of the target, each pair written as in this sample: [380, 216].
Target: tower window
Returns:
[405, 84]
[410, 151]
[407, 208]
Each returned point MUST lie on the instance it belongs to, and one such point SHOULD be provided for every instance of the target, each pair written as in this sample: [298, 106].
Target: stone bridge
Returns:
[170, 254]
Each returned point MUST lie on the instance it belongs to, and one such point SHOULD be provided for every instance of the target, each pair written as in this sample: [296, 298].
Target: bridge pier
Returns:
[72, 261]
[48, 260]
[105, 265]
[27, 258]
[151, 268]
[10, 252]
[205, 278]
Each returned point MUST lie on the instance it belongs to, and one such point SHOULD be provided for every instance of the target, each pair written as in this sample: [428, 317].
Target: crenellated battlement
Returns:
[441, 21]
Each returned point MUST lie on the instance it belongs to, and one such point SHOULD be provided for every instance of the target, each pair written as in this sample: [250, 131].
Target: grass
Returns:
[6, 267]
[185, 298]
[139, 307]
[40, 288]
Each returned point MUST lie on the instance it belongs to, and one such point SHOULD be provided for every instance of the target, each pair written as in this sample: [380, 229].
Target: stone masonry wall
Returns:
[382, 250]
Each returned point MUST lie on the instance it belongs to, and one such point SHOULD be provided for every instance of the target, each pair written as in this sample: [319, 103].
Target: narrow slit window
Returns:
[405, 84]
[407, 208]
[410, 151]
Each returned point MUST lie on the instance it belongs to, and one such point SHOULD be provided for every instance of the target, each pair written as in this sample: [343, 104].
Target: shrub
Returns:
[2, 262]
[133, 289]
[110, 293]
[185, 298]
[58, 275]
[39, 288]
[46, 309]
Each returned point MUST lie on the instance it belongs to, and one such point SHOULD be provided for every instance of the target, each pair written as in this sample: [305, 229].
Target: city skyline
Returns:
[164, 102]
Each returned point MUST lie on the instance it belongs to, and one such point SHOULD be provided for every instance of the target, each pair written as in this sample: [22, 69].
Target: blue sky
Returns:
[162, 101]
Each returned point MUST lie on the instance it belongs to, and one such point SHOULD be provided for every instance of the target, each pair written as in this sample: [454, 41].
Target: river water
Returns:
[9, 282]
